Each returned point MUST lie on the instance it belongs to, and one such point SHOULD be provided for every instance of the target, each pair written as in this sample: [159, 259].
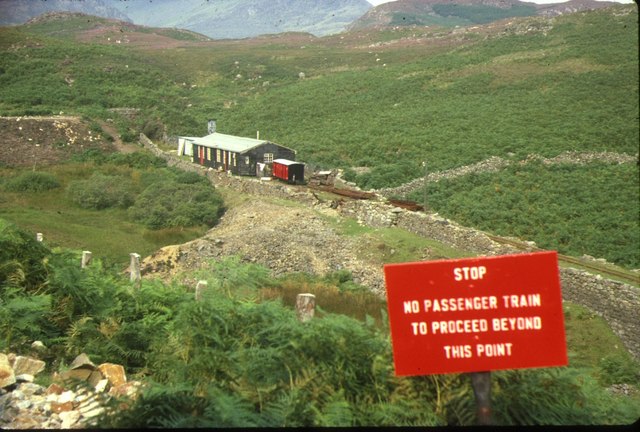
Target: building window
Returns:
[218, 156]
[246, 160]
[268, 157]
[208, 154]
[233, 156]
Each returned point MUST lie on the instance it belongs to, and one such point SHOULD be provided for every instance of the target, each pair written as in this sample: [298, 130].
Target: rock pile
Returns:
[75, 399]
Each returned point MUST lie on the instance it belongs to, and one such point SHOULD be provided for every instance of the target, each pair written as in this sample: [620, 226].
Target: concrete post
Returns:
[86, 259]
[134, 267]
[39, 237]
[200, 288]
[305, 306]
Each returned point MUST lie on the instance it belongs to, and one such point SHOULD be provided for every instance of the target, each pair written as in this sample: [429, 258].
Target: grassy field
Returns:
[109, 233]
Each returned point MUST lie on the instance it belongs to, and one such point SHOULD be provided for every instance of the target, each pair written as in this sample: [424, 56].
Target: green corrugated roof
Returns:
[228, 142]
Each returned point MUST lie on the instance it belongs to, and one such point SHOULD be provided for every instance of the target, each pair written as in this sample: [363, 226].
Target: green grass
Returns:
[108, 234]
[586, 335]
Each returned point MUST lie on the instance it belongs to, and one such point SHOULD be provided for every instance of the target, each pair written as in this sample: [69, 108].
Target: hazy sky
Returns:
[377, 2]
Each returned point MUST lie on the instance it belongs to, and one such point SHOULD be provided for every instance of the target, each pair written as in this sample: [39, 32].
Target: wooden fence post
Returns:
[481, 383]
[200, 288]
[86, 259]
[305, 306]
[134, 267]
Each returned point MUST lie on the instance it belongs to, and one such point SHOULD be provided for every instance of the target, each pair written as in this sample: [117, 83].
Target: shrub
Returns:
[23, 260]
[616, 370]
[101, 191]
[92, 155]
[32, 181]
[190, 177]
[170, 204]
[137, 160]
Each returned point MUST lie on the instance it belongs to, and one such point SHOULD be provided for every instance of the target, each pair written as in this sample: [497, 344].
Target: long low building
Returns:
[239, 155]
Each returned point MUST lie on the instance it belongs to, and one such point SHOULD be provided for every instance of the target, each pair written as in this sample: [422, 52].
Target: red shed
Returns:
[289, 171]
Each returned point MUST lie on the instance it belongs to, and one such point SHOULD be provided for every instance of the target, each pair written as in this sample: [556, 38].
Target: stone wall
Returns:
[616, 302]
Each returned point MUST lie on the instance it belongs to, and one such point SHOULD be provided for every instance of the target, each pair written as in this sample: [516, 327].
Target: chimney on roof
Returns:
[211, 126]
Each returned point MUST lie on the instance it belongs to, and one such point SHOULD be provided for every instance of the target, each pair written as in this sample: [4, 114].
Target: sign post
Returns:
[476, 315]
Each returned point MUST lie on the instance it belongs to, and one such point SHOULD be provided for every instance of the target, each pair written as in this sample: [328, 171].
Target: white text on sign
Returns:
[469, 273]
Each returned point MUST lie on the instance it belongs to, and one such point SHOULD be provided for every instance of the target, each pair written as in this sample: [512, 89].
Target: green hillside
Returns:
[384, 101]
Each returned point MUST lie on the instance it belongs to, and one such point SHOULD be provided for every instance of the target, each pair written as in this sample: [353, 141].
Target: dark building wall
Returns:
[245, 163]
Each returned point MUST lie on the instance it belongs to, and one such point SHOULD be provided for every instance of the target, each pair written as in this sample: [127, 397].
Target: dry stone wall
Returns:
[616, 302]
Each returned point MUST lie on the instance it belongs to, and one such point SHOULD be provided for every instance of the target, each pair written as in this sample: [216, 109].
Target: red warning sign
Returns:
[478, 314]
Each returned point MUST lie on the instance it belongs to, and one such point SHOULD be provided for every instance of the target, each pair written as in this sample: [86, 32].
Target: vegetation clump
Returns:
[32, 181]
[174, 204]
[101, 191]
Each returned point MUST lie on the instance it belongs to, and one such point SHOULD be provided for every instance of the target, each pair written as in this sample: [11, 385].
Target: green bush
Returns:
[170, 204]
[32, 181]
[137, 159]
[101, 191]
[616, 370]
[23, 260]
[190, 177]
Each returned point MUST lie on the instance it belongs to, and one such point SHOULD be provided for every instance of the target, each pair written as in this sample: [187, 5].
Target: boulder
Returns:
[7, 376]
[28, 365]
[76, 374]
[82, 362]
[114, 373]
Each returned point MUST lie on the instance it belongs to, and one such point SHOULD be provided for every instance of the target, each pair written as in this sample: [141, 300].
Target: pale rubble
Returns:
[66, 403]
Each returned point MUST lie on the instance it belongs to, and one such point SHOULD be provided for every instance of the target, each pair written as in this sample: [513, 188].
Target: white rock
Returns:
[101, 386]
[38, 345]
[23, 404]
[67, 396]
[69, 418]
[25, 378]
[94, 412]
[89, 407]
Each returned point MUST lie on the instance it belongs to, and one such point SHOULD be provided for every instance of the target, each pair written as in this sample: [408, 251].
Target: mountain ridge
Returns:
[450, 13]
[237, 19]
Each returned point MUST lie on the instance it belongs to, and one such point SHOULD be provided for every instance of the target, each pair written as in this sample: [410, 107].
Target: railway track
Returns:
[600, 268]
[621, 275]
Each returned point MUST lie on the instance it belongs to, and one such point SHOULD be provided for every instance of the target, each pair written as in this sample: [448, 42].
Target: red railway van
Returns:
[289, 171]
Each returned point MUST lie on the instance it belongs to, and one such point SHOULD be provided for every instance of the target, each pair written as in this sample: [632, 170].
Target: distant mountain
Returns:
[14, 12]
[230, 19]
[218, 19]
[463, 12]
